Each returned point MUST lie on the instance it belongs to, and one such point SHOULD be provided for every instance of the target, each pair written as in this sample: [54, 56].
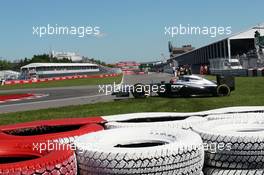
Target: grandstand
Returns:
[9, 75]
[46, 70]
[241, 46]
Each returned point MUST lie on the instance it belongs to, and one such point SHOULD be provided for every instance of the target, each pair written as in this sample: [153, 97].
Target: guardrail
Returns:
[14, 82]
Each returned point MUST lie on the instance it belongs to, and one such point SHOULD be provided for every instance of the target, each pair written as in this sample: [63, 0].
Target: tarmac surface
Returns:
[76, 95]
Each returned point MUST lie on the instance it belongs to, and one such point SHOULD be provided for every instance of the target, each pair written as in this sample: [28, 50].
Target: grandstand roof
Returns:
[32, 65]
[245, 34]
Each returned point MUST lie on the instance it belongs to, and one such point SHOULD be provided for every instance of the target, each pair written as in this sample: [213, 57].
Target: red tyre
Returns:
[64, 130]
[19, 158]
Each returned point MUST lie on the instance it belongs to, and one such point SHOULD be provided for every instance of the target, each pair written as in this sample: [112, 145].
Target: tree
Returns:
[5, 65]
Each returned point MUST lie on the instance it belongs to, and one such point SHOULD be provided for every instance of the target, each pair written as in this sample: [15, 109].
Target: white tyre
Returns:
[234, 116]
[152, 115]
[238, 109]
[140, 151]
[236, 143]
[172, 122]
[216, 171]
[146, 115]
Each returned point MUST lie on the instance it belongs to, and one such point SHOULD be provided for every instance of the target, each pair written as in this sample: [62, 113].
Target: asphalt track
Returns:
[76, 95]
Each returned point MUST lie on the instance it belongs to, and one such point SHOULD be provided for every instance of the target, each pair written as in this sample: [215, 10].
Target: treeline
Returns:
[43, 58]
[5, 65]
[95, 61]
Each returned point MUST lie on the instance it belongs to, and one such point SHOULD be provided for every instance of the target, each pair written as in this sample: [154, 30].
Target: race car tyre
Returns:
[140, 151]
[223, 90]
[172, 122]
[216, 171]
[233, 143]
[234, 116]
[139, 91]
[63, 130]
[162, 94]
[20, 158]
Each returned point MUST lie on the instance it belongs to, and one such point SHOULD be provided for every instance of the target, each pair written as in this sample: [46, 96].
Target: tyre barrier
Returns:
[161, 121]
[235, 116]
[140, 151]
[67, 130]
[20, 158]
[183, 115]
[217, 171]
[239, 142]
[62, 130]
[231, 110]
[145, 116]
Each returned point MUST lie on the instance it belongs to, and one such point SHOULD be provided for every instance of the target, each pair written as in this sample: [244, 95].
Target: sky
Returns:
[130, 30]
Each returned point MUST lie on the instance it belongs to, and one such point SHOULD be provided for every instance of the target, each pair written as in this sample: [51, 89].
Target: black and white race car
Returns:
[185, 86]
[192, 85]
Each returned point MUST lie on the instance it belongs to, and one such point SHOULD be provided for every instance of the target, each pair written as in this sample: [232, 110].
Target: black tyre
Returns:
[223, 90]
[139, 91]
[162, 94]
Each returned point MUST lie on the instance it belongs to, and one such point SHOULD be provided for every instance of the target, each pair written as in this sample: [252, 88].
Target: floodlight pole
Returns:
[229, 50]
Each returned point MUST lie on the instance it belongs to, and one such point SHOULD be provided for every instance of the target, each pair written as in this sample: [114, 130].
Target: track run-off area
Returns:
[72, 95]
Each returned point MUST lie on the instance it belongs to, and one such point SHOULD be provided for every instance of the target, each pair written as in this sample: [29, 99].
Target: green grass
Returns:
[249, 91]
[64, 83]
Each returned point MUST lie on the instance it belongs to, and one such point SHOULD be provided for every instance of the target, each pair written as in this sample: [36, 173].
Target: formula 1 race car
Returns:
[184, 86]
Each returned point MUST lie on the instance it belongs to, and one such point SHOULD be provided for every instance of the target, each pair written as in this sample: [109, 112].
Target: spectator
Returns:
[189, 71]
[2, 82]
[178, 71]
[182, 71]
[174, 71]
[201, 69]
[173, 80]
[205, 70]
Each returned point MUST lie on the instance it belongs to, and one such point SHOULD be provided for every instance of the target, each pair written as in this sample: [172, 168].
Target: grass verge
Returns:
[249, 91]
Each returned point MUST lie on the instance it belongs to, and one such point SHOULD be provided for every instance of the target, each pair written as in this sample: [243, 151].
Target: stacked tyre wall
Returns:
[43, 147]
[139, 143]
